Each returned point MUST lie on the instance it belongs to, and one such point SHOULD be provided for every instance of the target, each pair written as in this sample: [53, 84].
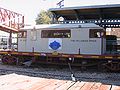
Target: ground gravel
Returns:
[64, 73]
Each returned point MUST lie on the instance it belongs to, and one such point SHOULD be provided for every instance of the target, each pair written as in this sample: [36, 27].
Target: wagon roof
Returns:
[61, 26]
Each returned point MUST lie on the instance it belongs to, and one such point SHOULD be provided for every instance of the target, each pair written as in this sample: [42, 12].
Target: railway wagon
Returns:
[79, 44]
[63, 38]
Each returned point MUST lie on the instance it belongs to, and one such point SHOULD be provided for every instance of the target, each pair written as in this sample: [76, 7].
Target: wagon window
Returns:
[96, 33]
[55, 34]
[22, 34]
[33, 34]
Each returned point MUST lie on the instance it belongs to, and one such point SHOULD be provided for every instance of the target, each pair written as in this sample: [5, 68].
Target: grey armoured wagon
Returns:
[63, 38]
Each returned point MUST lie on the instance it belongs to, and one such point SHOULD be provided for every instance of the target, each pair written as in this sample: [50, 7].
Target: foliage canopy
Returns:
[44, 17]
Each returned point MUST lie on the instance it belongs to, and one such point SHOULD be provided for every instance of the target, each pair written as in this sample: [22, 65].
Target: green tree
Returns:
[44, 17]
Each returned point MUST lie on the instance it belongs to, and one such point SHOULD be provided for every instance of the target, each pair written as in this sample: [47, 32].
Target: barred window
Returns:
[22, 34]
[55, 34]
[96, 33]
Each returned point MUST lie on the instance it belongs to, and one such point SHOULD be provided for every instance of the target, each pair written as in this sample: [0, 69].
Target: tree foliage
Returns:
[44, 17]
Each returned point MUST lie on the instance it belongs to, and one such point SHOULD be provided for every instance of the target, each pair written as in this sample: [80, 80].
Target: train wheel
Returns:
[5, 59]
[101, 67]
[113, 66]
[9, 59]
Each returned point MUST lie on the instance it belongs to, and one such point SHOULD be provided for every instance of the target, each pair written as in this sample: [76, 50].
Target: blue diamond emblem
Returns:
[55, 45]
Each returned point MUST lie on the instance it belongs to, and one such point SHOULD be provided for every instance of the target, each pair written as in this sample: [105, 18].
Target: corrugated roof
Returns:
[111, 11]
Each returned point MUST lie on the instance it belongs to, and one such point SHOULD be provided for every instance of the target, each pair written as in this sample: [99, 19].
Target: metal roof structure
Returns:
[10, 21]
[104, 15]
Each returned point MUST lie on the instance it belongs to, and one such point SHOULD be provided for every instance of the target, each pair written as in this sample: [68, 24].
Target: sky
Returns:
[31, 8]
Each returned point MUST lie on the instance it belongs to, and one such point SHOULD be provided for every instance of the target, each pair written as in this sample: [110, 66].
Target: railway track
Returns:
[108, 78]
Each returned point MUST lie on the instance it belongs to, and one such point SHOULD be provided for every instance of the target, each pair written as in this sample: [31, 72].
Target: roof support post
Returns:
[10, 40]
[54, 18]
[76, 14]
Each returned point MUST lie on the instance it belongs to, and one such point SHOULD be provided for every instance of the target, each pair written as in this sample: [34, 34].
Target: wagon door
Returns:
[22, 35]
